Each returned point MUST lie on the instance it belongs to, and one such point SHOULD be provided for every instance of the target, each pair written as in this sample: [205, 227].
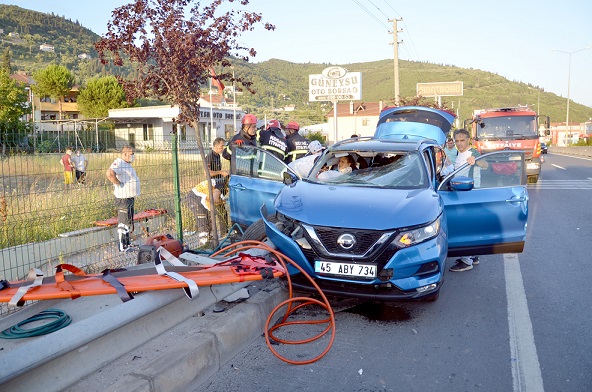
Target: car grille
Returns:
[365, 239]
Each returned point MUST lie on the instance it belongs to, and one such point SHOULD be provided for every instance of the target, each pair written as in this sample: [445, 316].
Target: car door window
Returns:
[499, 169]
[429, 165]
[256, 163]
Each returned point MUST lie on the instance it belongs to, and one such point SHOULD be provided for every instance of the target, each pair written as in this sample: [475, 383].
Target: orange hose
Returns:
[242, 246]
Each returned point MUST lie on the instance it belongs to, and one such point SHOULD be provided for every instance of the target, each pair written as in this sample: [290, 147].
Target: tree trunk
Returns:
[200, 147]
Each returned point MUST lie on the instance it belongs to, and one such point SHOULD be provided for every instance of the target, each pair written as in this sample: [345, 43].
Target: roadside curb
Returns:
[104, 329]
[191, 352]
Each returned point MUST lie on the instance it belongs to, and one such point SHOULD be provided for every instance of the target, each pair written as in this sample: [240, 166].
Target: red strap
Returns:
[244, 261]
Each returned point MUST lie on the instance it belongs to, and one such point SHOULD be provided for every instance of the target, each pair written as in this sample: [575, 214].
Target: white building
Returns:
[46, 48]
[353, 118]
[151, 126]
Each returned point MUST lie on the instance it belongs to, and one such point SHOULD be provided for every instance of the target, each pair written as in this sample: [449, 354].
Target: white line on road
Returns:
[557, 166]
[526, 371]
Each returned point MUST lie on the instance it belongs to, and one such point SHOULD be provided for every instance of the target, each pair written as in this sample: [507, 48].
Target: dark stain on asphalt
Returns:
[384, 312]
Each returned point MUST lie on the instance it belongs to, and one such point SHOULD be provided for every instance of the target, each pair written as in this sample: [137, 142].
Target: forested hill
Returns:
[69, 39]
[282, 83]
[278, 83]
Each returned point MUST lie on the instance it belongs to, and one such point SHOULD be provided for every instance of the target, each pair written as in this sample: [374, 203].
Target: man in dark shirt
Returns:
[273, 140]
[246, 136]
[214, 164]
[297, 144]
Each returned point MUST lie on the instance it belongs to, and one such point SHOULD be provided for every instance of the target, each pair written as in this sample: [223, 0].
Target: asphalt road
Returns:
[513, 323]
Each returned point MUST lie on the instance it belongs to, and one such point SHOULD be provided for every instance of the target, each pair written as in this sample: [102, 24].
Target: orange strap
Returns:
[61, 281]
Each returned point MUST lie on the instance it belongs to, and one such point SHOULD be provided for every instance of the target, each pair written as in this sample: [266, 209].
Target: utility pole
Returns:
[395, 44]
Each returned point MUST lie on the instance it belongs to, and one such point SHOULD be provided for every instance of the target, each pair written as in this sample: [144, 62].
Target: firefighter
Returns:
[246, 136]
[273, 140]
[297, 144]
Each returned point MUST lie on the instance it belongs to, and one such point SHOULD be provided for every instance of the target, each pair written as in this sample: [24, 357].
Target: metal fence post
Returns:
[176, 183]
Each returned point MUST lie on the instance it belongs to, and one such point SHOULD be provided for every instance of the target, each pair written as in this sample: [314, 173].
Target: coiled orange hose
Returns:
[242, 246]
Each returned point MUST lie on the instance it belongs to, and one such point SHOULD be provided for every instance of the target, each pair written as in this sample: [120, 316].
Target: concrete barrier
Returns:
[103, 329]
[581, 151]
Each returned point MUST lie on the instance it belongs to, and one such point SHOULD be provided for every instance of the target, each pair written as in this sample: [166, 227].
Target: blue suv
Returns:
[382, 230]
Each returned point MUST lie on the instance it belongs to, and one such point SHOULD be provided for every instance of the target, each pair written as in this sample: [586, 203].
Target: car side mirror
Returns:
[462, 183]
[289, 178]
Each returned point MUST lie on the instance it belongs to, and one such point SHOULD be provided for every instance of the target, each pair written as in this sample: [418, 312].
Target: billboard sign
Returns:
[440, 89]
[335, 84]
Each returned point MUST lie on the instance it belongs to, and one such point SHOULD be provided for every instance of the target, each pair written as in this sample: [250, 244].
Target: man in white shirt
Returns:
[80, 162]
[126, 186]
[303, 165]
[467, 154]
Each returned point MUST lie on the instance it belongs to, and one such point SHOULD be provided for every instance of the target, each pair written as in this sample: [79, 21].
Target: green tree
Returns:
[6, 61]
[13, 106]
[100, 95]
[55, 81]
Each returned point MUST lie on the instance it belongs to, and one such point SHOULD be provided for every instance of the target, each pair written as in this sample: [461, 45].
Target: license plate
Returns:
[346, 269]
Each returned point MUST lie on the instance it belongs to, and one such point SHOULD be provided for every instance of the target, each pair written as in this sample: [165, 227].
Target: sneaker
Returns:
[130, 248]
[475, 260]
[460, 266]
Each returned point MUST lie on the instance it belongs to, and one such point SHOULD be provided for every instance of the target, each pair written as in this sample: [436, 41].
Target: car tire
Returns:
[256, 232]
[532, 179]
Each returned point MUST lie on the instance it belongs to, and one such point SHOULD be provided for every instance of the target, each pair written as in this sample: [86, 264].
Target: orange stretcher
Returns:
[137, 217]
[124, 282]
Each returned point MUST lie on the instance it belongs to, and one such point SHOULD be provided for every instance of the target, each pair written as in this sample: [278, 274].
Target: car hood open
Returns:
[358, 207]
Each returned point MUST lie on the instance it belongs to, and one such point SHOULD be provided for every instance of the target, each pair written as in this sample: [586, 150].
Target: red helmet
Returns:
[249, 119]
[273, 124]
[293, 125]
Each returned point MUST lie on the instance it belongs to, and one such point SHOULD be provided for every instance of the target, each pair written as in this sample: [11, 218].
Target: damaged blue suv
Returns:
[376, 217]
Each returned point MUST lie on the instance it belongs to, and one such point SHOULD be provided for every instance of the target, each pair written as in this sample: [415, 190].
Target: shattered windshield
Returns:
[508, 127]
[393, 169]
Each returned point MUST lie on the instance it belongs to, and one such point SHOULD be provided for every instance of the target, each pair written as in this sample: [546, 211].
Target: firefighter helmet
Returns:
[249, 119]
[274, 124]
[293, 125]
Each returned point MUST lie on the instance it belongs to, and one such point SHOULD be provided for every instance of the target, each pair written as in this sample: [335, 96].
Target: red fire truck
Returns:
[512, 128]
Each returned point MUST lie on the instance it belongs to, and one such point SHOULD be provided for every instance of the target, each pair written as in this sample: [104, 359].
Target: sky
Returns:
[525, 41]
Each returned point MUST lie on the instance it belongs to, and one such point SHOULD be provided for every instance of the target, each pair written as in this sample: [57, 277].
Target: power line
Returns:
[393, 9]
[369, 1]
[371, 14]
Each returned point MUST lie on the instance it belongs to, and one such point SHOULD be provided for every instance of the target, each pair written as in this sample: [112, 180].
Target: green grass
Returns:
[36, 206]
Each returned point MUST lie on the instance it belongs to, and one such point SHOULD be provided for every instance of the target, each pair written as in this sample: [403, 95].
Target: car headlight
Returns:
[415, 236]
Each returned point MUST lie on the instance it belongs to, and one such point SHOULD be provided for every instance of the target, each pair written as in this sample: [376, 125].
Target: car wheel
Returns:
[533, 179]
[256, 232]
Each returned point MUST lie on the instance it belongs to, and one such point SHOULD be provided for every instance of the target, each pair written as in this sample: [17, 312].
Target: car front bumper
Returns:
[405, 281]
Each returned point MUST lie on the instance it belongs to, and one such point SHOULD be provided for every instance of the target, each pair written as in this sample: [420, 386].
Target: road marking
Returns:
[526, 370]
[557, 166]
[562, 184]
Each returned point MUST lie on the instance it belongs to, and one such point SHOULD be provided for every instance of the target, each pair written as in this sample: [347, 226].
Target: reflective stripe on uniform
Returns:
[293, 153]
[274, 149]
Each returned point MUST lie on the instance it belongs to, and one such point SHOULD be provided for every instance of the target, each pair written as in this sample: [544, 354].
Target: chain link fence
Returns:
[44, 222]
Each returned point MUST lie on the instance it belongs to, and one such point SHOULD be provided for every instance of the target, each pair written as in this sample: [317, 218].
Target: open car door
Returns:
[491, 217]
[256, 177]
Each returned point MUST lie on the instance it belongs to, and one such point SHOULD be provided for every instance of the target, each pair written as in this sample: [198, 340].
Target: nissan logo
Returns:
[346, 241]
